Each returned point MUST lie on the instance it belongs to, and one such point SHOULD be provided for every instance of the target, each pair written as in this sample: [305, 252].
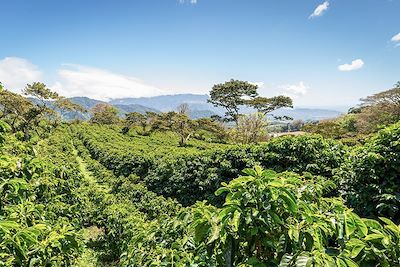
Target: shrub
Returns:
[370, 177]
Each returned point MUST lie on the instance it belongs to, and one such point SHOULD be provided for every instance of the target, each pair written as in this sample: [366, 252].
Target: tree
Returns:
[231, 95]
[134, 119]
[297, 125]
[251, 128]
[65, 106]
[183, 109]
[14, 109]
[23, 114]
[104, 113]
[266, 105]
[379, 110]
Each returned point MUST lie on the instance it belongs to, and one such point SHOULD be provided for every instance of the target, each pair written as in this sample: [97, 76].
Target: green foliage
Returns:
[189, 178]
[266, 105]
[104, 113]
[231, 95]
[126, 191]
[268, 219]
[134, 153]
[271, 219]
[370, 176]
[34, 228]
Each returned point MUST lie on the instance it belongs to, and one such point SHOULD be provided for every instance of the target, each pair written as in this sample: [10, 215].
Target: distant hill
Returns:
[199, 108]
[167, 102]
[89, 103]
[308, 114]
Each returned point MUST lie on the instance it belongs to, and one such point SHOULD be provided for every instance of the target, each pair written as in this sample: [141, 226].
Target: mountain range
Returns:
[198, 105]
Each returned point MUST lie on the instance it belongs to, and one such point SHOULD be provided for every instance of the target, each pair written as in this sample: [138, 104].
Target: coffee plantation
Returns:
[90, 195]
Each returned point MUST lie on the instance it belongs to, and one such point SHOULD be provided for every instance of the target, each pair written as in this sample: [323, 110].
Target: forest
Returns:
[162, 189]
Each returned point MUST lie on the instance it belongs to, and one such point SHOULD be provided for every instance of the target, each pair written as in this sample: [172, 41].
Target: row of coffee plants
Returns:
[267, 219]
[38, 222]
[124, 209]
[190, 175]
[126, 154]
[367, 176]
[370, 176]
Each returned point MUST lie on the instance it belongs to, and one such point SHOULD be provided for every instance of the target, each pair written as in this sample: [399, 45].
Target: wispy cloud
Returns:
[354, 65]
[193, 2]
[320, 10]
[396, 39]
[294, 90]
[77, 80]
[16, 72]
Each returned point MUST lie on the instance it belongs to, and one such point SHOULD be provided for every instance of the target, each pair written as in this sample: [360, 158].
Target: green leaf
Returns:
[374, 237]
[221, 191]
[356, 250]
[360, 224]
[286, 260]
[289, 202]
[303, 260]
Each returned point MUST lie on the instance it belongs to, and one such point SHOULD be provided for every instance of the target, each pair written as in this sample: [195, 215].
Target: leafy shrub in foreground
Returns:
[37, 226]
[268, 219]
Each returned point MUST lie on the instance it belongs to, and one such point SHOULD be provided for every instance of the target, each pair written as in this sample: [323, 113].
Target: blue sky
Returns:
[107, 49]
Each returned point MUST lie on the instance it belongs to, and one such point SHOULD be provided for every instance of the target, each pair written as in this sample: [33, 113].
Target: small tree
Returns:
[134, 119]
[104, 113]
[231, 95]
[378, 110]
[266, 105]
[65, 106]
[251, 128]
[234, 94]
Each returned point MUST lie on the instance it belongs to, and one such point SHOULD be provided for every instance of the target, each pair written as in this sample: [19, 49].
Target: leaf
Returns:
[303, 260]
[289, 202]
[286, 260]
[215, 230]
[374, 237]
[356, 250]
[350, 263]
[387, 221]
[372, 224]
[241, 180]
[221, 190]
[7, 226]
[360, 224]
[236, 220]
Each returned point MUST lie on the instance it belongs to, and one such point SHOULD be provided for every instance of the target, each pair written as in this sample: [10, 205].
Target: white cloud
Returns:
[396, 40]
[294, 90]
[193, 2]
[320, 10]
[355, 65]
[16, 72]
[76, 80]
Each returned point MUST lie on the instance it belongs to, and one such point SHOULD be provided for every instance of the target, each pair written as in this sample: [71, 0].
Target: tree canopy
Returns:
[234, 94]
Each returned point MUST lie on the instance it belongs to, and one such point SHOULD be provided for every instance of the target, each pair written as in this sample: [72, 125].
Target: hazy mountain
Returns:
[308, 114]
[167, 102]
[199, 108]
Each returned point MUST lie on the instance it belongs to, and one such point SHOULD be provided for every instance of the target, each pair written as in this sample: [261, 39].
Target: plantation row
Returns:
[298, 226]
[366, 176]
[194, 175]
[39, 207]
